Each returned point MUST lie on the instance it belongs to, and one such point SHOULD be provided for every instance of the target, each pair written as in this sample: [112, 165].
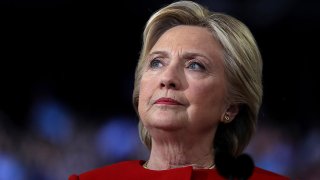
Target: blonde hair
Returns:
[243, 67]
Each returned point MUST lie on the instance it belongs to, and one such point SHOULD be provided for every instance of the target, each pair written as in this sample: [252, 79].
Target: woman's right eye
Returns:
[155, 63]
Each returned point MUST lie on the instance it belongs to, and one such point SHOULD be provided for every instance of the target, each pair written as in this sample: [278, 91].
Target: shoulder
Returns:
[109, 170]
[262, 174]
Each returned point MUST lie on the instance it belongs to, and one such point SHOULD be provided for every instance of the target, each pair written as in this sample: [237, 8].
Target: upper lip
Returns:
[168, 100]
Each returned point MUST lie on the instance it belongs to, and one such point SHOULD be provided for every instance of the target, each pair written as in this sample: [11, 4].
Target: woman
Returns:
[197, 92]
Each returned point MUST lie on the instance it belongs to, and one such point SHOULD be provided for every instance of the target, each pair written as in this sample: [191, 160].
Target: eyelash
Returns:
[201, 66]
[152, 63]
[155, 64]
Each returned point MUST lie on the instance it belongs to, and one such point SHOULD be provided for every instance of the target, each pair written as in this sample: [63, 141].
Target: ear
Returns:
[230, 113]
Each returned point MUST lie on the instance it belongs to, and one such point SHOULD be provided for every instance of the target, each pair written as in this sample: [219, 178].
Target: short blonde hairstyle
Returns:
[242, 60]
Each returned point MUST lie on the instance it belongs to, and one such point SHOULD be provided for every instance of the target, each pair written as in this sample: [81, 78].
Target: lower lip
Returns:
[167, 103]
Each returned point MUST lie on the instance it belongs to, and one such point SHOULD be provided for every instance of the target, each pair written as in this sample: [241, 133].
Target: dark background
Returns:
[84, 54]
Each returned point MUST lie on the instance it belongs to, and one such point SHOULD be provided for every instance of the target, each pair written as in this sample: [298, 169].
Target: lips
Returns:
[167, 101]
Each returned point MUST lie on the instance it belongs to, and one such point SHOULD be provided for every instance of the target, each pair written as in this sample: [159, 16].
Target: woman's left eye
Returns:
[196, 66]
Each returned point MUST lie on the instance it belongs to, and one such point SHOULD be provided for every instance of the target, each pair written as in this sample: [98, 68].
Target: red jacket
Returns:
[133, 170]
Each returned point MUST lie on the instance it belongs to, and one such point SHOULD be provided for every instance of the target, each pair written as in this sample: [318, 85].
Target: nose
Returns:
[171, 78]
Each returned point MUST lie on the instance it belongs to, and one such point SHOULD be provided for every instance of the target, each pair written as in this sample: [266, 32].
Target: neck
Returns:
[180, 150]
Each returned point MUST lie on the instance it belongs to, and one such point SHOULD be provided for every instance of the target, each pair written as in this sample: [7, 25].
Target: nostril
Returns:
[173, 85]
[168, 84]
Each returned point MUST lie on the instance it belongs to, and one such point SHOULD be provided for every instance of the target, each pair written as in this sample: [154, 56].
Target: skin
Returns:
[186, 67]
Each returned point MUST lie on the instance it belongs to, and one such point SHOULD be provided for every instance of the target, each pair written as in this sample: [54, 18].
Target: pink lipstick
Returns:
[167, 101]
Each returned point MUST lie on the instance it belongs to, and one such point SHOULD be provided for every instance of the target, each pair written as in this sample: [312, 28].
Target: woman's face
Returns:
[183, 85]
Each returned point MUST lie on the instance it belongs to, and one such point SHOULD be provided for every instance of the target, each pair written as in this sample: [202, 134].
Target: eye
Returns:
[155, 63]
[196, 66]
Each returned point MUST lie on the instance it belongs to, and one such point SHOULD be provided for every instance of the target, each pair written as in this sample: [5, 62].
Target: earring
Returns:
[227, 118]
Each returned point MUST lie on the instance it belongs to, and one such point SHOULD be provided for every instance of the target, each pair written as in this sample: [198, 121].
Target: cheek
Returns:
[207, 95]
[207, 106]
[145, 91]
[142, 93]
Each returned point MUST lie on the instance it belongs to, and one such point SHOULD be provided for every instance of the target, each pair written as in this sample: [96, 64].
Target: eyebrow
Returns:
[185, 55]
[158, 52]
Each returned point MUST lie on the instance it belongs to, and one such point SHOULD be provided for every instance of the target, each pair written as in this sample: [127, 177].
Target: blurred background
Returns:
[66, 80]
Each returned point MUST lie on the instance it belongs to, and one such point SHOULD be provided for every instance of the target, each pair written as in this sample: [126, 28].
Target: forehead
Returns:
[189, 38]
[191, 32]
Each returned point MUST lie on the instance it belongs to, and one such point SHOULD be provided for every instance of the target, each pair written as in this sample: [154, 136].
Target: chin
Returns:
[167, 123]
[167, 127]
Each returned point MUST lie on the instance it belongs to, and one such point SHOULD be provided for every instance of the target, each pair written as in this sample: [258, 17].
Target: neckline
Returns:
[141, 163]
